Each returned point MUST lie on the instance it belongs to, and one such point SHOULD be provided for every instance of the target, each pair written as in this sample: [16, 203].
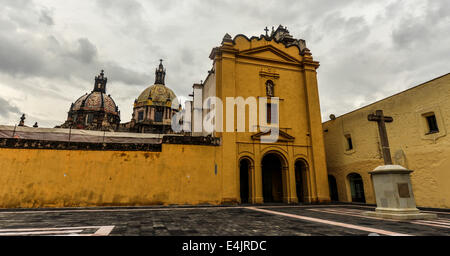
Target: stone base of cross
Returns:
[394, 194]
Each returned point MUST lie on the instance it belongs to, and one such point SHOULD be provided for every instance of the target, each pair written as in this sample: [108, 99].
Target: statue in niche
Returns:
[269, 88]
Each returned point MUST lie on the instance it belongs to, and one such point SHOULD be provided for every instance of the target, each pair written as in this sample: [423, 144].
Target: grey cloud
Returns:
[411, 32]
[46, 17]
[86, 52]
[26, 55]
[127, 76]
[127, 17]
[420, 31]
[17, 59]
[6, 108]
[126, 8]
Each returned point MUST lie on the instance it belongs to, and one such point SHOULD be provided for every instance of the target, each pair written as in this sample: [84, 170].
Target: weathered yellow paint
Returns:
[241, 69]
[180, 174]
[428, 155]
[185, 174]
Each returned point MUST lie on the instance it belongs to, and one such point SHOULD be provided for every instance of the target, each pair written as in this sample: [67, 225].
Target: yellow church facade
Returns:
[418, 141]
[293, 168]
[218, 167]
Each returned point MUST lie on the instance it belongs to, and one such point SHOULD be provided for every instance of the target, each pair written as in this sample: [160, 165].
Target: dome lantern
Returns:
[100, 82]
[160, 73]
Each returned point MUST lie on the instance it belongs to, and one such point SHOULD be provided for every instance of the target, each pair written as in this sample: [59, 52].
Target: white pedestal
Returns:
[394, 195]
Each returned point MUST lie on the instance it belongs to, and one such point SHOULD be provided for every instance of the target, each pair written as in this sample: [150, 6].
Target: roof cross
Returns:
[267, 30]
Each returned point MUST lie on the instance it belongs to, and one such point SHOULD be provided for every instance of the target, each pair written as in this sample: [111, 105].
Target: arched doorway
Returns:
[301, 182]
[333, 188]
[356, 188]
[244, 178]
[272, 178]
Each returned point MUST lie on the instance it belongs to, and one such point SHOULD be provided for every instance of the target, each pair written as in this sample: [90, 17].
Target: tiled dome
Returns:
[96, 101]
[157, 93]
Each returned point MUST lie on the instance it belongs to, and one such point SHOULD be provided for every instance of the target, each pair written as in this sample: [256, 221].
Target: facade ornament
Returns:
[227, 38]
[22, 120]
[270, 88]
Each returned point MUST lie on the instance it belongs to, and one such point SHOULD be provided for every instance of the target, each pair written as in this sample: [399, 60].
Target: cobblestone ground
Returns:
[245, 220]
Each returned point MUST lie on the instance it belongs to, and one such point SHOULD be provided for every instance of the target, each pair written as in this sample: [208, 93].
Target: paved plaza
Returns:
[243, 220]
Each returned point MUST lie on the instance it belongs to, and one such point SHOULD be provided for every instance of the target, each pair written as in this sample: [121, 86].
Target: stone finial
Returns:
[306, 52]
[22, 120]
[227, 38]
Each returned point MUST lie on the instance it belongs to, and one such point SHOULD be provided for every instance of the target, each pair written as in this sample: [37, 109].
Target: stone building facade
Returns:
[418, 140]
[292, 168]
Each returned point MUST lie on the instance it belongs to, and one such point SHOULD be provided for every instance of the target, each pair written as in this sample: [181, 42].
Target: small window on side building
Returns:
[432, 123]
[349, 141]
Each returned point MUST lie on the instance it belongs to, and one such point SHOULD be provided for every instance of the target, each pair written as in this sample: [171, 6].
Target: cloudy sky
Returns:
[51, 50]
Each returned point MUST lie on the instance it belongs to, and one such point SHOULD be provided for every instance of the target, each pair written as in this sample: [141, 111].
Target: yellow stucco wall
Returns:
[180, 174]
[427, 155]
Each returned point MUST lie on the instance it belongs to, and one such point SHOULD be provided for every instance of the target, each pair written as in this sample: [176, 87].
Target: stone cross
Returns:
[381, 120]
[267, 30]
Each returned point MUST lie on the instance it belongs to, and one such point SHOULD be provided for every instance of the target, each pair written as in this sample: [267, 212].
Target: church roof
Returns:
[95, 101]
[279, 35]
[157, 93]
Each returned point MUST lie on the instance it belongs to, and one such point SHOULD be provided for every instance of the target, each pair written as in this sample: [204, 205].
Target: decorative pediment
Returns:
[282, 136]
[269, 52]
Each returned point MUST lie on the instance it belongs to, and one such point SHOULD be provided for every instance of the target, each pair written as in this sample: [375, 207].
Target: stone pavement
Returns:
[243, 220]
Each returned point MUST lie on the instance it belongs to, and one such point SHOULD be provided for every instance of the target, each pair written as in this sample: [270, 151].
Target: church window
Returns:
[272, 117]
[349, 141]
[140, 115]
[89, 118]
[432, 123]
[158, 115]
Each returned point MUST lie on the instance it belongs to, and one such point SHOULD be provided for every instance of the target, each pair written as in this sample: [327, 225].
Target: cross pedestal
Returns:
[394, 195]
[392, 183]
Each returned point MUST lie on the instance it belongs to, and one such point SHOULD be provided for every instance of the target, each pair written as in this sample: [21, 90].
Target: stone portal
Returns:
[272, 179]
